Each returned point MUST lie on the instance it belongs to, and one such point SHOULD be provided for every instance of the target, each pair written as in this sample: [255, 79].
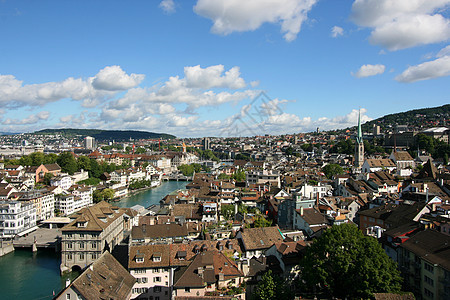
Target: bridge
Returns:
[177, 177]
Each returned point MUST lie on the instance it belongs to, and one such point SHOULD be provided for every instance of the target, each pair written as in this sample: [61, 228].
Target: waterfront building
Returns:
[44, 202]
[16, 218]
[92, 231]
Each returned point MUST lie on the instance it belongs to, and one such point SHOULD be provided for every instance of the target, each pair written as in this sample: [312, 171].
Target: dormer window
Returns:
[157, 257]
[81, 224]
[139, 257]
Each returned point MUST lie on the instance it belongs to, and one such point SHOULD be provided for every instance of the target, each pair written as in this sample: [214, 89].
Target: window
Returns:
[157, 279]
[429, 268]
[428, 293]
[187, 290]
[429, 280]
[94, 245]
[81, 235]
[81, 245]
[157, 289]
[69, 256]
[69, 245]
[69, 236]
[81, 255]
[139, 271]
[68, 296]
[156, 270]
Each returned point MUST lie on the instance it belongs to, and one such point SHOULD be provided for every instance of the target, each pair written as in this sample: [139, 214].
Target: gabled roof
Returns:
[379, 163]
[431, 246]
[205, 269]
[104, 279]
[260, 238]
[95, 217]
[158, 231]
[402, 156]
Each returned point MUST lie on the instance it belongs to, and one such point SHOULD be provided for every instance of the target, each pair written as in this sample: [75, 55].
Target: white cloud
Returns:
[211, 77]
[439, 67]
[444, 52]
[337, 31]
[400, 24]
[235, 15]
[90, 91]
[31, 119]
[369, 70]
[113, 78]
[167, 6]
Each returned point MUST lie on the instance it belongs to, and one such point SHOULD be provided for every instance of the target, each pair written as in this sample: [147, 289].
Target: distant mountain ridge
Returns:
[101, 135]
[423, 117]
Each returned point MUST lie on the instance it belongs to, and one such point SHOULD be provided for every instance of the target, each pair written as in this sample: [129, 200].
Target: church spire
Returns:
[359, 137]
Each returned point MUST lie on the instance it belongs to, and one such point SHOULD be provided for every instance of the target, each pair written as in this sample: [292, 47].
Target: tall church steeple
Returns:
[359, 146]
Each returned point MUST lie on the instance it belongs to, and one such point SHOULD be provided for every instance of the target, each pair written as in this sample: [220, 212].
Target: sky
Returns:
[219, 67]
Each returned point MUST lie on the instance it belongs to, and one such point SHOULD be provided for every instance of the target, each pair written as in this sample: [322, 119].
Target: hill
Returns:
[418, 118]
[102, 135]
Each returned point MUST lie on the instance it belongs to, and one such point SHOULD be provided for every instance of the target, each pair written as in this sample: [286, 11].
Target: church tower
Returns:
[359, 146]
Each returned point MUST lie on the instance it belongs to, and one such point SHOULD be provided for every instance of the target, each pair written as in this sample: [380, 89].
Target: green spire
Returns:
[359, 137]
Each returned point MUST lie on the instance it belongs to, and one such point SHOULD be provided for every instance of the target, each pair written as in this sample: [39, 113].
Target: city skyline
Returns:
[212, 68]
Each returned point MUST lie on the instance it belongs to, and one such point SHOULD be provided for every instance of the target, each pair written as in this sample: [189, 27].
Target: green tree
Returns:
[108, 194]
[239, 175]
[261, 221]
[223, 176]
[84, 163]
[67, 162]
[227, 211]
[332, 169]
[344, 263]
[47, 178]
[271, 287]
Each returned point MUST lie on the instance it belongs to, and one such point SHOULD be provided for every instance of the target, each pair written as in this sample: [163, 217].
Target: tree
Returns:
[223, 176]
[332, 169]
[261, 221]
[344, 263]
[84, 163]
[67, 162]
[239, 175]
[227, 211]
[271, 287]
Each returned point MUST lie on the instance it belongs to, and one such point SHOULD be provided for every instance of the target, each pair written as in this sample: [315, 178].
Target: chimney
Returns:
[317, 199]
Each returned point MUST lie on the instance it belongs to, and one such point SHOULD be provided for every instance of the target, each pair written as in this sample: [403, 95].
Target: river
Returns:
[27, 275]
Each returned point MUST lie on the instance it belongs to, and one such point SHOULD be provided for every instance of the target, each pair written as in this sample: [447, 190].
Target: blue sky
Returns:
[198, 68]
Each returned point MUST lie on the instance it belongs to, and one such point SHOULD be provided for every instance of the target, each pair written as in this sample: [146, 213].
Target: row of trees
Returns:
[68, 163]
[188, 170]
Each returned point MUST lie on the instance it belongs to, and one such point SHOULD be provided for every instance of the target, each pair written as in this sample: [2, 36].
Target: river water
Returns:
[27, 275]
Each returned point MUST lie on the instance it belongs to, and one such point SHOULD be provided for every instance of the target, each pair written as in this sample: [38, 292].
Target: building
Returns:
[16, 218]
[206, 142]
[104, 279]
[208, 272]
[44, 202]
[53, 169]
[359, 146]
[375, 165]
[255, 241]
[424, 263]
[89, 142]
[262, 177]
[92, 231]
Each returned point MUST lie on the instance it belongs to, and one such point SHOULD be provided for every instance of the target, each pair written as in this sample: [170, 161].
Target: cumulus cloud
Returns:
[211, 77]
[31, 119]
[167, 6]
[444, 52]
[113, 78]
[337, 31]
[369, 70]
[234, 15]
[90, 91]
[400, 24]
[439, 67]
